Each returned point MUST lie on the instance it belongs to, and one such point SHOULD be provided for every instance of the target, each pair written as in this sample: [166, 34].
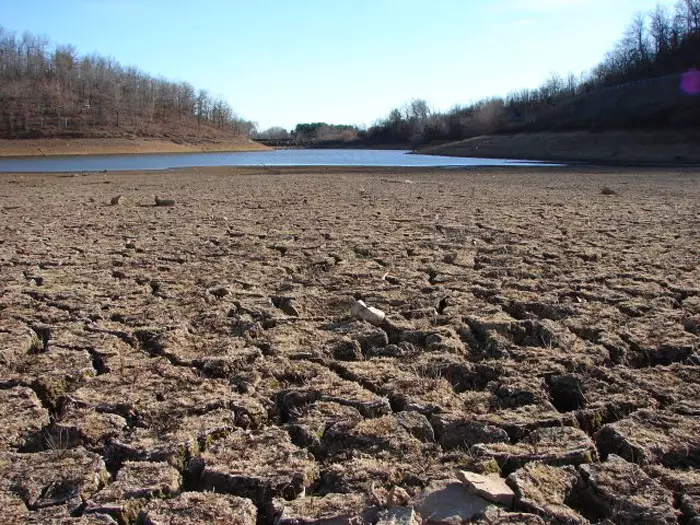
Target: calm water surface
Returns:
[287, 157]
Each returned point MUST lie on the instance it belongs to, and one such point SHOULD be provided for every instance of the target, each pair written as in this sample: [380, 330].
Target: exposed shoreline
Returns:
[612, 147]
[56, 147]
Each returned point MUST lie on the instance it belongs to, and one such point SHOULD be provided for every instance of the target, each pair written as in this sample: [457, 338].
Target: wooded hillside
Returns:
[650, 79]
[52, 91]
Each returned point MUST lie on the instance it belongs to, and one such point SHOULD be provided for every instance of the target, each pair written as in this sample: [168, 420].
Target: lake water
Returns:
[285, 157]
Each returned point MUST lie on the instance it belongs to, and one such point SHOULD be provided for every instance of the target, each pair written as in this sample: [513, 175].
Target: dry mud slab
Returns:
[198, 363]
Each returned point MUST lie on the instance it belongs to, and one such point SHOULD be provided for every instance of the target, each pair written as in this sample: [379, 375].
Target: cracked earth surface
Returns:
[198, 363]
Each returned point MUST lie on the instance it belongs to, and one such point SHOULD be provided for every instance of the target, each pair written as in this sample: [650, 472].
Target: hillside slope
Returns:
[49, 92]
[609, 147]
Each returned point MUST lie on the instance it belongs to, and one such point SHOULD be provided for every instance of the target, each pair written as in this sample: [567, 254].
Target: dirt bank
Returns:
[197, 362]
[609, 147]
[115, 146]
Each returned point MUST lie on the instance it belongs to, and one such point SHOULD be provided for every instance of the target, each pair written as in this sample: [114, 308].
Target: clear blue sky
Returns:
[280, 62]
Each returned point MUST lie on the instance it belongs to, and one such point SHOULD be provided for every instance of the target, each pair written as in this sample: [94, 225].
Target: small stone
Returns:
[491, 487]
[115, 200]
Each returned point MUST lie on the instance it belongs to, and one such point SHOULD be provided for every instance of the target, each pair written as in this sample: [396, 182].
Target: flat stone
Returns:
[255, 465]
[448, 502]
[491, 487]
[544, 490]
[331, 509]
[23, 419]
[200, 508]
[136, 483]
[649, 436]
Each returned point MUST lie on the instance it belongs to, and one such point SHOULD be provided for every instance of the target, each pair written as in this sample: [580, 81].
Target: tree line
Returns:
[312, 132]
[655, 45]
[50, 90]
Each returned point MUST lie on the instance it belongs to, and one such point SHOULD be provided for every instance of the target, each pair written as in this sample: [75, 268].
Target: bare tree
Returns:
[688, 14]
[661, 29]
[635, 41]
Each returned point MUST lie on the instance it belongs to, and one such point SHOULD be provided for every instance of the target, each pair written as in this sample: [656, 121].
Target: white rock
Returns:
[372, 315]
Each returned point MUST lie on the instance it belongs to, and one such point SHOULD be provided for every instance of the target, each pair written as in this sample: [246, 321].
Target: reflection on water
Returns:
[288, 157]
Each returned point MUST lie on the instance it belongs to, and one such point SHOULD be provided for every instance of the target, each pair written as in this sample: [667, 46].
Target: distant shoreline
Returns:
[660, 147]
[57, 147]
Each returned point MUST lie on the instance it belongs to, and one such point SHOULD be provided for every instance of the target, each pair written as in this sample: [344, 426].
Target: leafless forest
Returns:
[48, 90]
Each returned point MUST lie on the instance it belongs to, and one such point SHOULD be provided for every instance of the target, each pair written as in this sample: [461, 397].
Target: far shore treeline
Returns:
[649, 80]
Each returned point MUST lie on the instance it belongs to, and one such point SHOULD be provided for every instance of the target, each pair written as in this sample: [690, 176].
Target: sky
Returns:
[281, 62]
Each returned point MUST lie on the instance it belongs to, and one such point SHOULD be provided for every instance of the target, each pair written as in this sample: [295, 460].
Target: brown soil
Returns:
[114, 146]
[609, 147]
[198, 361]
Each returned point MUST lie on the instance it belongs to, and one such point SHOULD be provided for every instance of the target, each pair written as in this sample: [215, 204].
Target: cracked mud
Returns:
[198, 363]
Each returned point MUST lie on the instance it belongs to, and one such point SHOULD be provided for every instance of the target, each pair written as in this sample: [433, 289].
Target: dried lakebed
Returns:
[198, 363]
